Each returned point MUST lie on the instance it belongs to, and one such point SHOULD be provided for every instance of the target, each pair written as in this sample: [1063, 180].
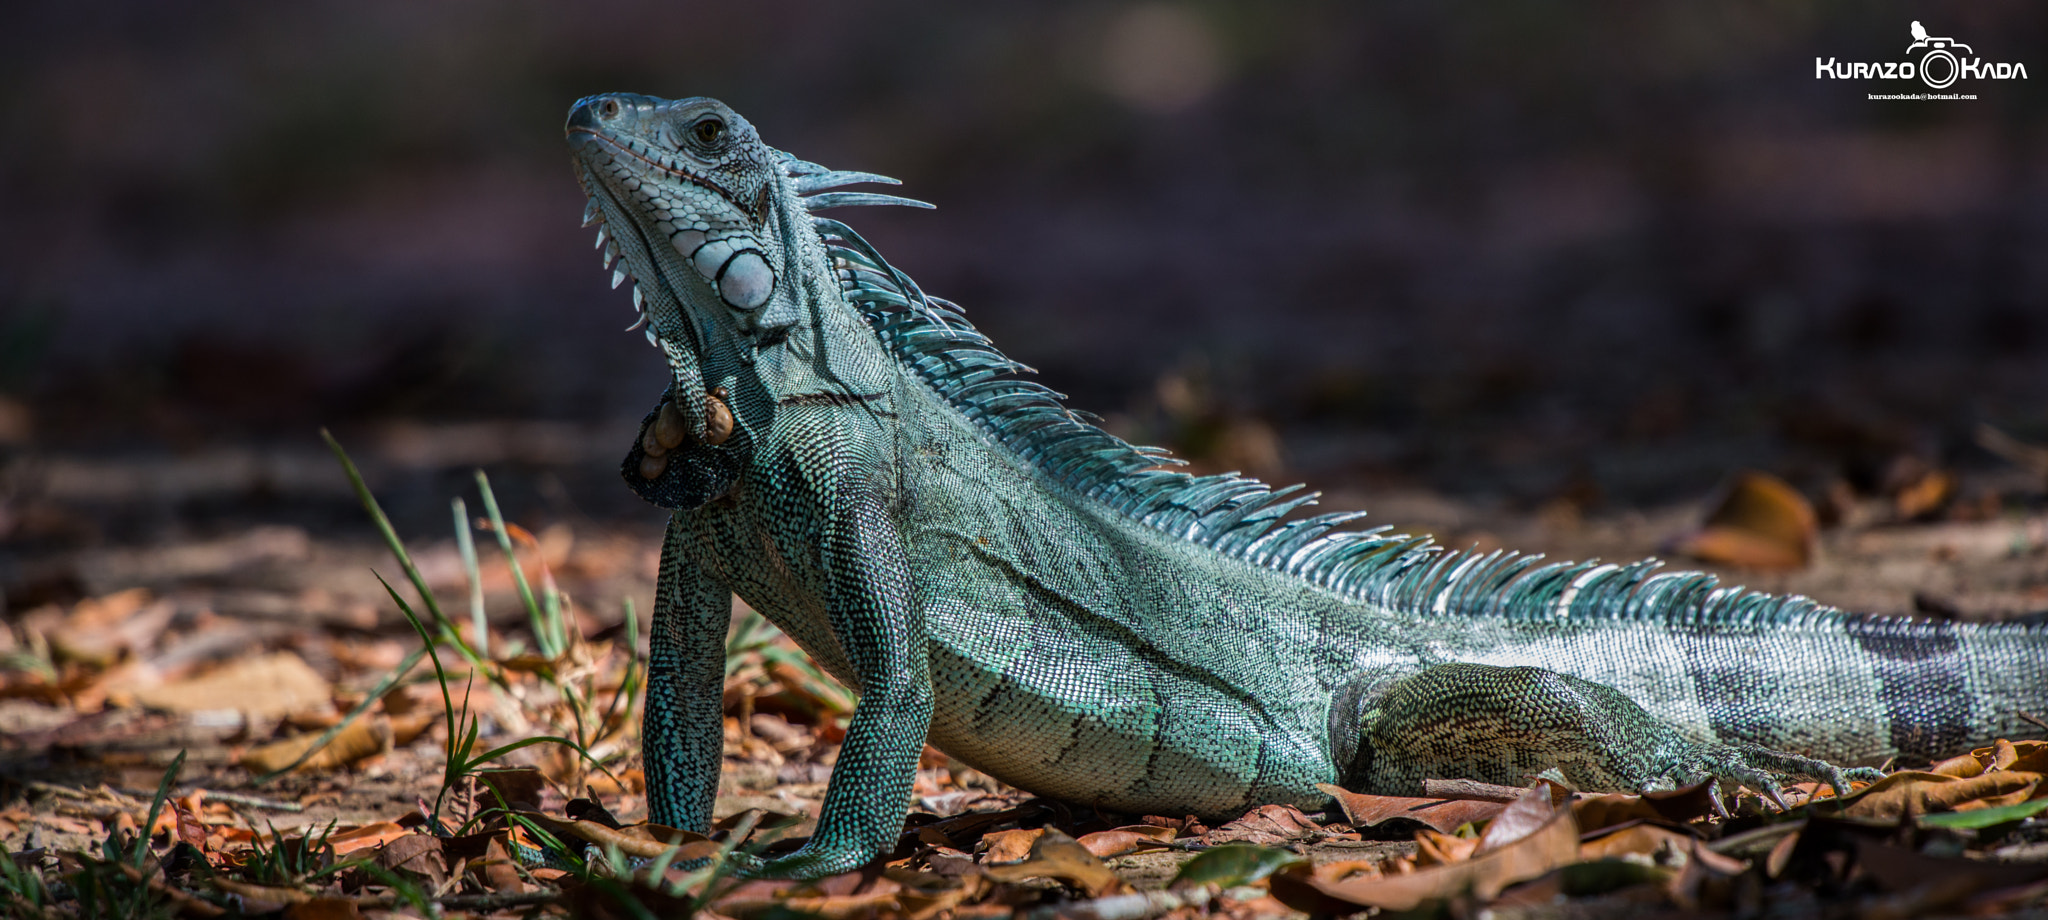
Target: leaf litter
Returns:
[338, 770]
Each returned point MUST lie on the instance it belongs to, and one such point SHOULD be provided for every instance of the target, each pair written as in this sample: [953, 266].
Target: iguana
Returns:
[1001, 578]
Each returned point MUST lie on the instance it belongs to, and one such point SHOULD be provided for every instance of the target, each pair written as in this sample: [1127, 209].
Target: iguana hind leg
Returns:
[1502, 724]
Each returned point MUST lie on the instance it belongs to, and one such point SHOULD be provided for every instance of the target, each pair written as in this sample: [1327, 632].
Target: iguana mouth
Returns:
[754, 209]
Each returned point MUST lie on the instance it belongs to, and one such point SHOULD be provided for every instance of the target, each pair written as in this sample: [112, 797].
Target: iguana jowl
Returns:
[1063, 611]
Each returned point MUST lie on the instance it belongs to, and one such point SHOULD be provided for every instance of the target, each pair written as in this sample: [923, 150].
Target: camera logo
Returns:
[1939, 59]
[1943, 61]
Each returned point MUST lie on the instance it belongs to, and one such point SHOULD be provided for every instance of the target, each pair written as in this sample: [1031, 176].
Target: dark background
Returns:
[1504, 250]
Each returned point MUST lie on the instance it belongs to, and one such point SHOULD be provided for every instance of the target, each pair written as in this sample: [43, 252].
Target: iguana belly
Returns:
[1045, 708]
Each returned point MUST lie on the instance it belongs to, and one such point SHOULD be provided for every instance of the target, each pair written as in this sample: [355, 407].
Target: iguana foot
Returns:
[809, 862]
[1504, 724]
[669, 468]
[1764, 769]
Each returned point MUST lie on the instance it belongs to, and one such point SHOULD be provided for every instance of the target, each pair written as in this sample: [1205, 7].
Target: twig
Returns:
[253, 801]
[1469, 789]
[2019, 453]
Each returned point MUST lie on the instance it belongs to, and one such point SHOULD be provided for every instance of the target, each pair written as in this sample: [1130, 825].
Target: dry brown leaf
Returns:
[516, 788]
[267, 686]
[2022, 756]
[1554, 844]
[1266, 825]
[926, 902]
[1522, 817]
[1678, 806]
[350, 839]
[1057, 856]
[1924, 495]
[1008, 846]
[1435, 849]
[1118, 841]
[500, 873]
[1445, 815]
[189, 828]
[1910, 793]
[1761, 523]
[1339, 870]
[366, 736]
[626, 782]
[100, 629]
[1650, 840]
[418, 854]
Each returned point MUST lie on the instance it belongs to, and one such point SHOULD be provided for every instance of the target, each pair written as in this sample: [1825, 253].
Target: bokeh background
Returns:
[1504, 252]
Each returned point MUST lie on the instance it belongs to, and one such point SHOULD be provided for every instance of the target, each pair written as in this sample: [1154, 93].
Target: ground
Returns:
[209, 608]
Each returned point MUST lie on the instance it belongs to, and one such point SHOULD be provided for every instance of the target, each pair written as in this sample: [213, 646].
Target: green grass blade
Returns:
[156, 807]
[383, 522]
[465, 542]
[542, 635]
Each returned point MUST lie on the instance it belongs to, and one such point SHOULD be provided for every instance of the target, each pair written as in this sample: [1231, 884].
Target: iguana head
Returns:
[685, 196]
[714, 228]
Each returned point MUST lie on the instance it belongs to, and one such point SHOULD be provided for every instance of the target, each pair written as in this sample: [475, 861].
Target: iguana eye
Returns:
[708, 132]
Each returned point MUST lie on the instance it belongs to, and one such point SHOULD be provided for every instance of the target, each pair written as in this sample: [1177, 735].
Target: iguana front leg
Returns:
[1503, 724]
[880, 628]
[681, 732]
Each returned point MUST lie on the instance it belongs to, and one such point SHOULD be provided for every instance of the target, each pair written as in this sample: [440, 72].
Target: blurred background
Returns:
[1504, 259]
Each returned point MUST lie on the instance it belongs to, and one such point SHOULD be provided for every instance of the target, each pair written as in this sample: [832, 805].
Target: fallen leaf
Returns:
[500, 873]
[415, 854]
[1057, 856]
[368, 735]
[1653, 841]
[1521, 818]
[1118, 841]
[266, 686]
[350, 839]
[1445, 815]
[1761, 522]
[100, 629]
[1009, 846]
[1925, 494]
[515, 788]
[1266, 825]
[1438, 849]
[1678, 806]
[188, 826]
[1908, 794]
[2022, 756]
[1554, 844]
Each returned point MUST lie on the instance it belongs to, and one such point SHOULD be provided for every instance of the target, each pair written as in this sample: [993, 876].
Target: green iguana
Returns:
[1063, 611]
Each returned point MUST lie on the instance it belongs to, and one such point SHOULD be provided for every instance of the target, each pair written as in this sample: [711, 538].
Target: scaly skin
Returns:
[1044, 602]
